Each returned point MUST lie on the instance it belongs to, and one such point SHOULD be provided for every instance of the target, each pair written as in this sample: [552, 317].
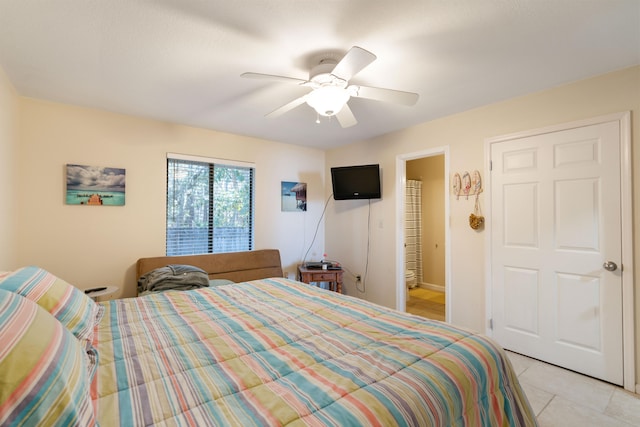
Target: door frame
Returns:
[626, 209]
[401, 180]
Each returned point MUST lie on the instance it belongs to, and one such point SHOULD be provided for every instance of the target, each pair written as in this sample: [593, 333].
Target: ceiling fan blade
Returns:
[345, 117]
[386, 95]
[287, 107]
[281, 79]
[353, 62]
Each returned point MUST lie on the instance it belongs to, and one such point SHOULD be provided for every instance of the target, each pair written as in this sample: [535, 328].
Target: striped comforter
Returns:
[279, 352]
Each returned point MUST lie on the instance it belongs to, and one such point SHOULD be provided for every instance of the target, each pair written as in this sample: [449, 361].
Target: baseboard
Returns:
[431, 286]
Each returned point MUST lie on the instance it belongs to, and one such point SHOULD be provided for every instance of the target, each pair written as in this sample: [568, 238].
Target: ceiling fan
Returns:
[330, 88]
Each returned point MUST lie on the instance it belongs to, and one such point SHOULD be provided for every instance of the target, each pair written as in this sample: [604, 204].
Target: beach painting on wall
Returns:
[95, 186]
[294, 196]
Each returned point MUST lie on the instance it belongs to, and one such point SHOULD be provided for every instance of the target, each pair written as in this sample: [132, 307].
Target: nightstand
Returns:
[315, 275]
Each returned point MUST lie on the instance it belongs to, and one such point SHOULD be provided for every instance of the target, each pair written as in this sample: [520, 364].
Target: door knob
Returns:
[610, 266]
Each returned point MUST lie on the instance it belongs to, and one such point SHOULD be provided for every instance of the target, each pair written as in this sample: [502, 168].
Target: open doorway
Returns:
[423, 235]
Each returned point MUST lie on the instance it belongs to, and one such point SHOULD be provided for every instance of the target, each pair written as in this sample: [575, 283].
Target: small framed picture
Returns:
[95, 186]
[294, 196]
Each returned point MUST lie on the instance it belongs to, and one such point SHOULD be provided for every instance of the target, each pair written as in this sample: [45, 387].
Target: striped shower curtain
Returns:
[413, 228]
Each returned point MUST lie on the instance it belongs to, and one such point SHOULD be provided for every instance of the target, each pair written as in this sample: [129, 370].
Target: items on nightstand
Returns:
[322, 265]
[102, 291]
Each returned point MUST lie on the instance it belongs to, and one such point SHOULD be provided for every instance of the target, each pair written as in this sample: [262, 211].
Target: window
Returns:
[209, 205]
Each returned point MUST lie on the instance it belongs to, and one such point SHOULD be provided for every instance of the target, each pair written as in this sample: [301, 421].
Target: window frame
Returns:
[211, 162]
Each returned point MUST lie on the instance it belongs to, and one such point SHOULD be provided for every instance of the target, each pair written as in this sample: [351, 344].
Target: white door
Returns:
[555, 204]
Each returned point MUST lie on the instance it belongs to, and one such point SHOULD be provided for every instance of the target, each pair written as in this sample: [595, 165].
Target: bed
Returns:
[267, 351]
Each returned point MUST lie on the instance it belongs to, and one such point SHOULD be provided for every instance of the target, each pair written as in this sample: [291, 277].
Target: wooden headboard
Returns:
[235, 266]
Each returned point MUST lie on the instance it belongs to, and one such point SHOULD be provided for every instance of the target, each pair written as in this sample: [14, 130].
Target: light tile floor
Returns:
[564, 398]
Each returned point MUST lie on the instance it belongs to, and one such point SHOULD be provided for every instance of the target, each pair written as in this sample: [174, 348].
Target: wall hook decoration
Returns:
[476, 220]
[476, 182]
[457, 185]
[468, 185]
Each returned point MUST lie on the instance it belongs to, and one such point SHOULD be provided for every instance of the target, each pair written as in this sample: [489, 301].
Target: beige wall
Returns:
[430, 170]
[8, 143]
[465, 134]
[91, 246]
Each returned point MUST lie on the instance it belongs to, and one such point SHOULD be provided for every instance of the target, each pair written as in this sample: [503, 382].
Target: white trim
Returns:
[556, 128]
[401, 179]
[432, 287]
[626, 200]
[486, 184]
[226, 162]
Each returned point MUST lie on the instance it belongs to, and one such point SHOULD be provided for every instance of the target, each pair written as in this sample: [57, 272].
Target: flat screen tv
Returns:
[356, 182]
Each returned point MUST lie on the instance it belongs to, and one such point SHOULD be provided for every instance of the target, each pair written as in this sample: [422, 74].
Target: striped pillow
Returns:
[76, 311]
[43, 368]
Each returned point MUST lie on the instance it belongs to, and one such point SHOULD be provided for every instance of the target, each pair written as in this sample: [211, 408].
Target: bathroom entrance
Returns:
[423, 290]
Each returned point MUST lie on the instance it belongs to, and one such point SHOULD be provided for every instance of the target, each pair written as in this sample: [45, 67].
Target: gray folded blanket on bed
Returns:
[173, 277]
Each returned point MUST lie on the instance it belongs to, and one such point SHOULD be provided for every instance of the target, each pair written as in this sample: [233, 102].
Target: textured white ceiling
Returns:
[180, 60]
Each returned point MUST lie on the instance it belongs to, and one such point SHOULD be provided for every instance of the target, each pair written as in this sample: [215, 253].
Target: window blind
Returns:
[209, 207]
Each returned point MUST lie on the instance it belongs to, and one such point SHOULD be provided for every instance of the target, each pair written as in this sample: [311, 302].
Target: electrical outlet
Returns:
[358, 278]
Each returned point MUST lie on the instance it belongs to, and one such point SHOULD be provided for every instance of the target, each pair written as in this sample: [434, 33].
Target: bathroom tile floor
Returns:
[426, 303]
[559, 397]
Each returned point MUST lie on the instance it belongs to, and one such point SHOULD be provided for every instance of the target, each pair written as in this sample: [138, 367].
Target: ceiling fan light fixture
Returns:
[328, 100]
[330, 89]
